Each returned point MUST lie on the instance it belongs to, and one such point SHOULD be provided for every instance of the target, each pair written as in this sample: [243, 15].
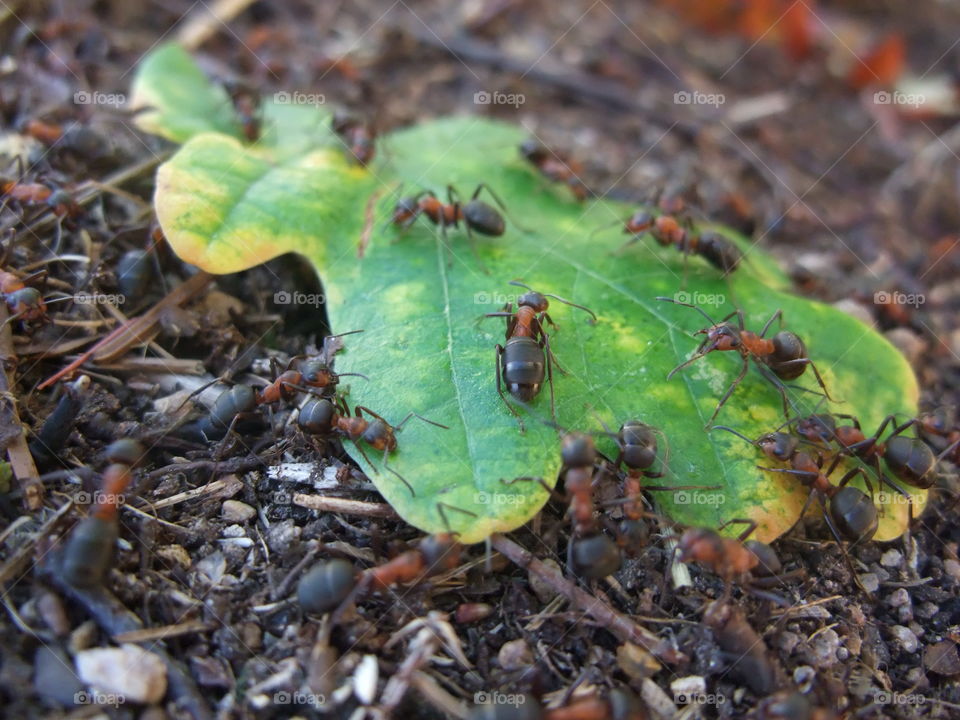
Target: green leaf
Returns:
[225, 206]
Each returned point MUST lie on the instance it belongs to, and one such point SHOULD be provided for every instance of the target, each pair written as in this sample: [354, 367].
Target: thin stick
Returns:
[621, 626]
[342, 505]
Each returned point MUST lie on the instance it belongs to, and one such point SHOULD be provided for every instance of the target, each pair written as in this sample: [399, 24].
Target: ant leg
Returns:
[751, 526]
[777, 315]
[365, 456]
[499, 363]
[549, 357]
[628, 243]
[398, 426]
[843, 549]
[690, 305]
[729, 392]
[386, 465]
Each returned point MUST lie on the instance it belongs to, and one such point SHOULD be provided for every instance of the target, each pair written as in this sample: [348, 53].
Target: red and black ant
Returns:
[556, 167]
[24, 303]
[526, 359]
[89, 548]
[358, 136]
[37, 194]
[332, 416]
[476, 215]
[246, 103]
[329, 583]
[782, 357]
[847, 510]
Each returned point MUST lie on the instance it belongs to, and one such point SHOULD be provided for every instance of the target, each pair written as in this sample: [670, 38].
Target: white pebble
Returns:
[129, 670]
[237, 512]
[905, 637]
[891, 558]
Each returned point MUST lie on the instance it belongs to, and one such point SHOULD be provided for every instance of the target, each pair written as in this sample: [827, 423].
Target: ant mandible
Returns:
[782, 357]
[556, 167]
[327, 417]
[526, 359]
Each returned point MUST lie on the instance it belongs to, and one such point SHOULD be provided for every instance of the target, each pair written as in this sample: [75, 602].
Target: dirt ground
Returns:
[855, 196]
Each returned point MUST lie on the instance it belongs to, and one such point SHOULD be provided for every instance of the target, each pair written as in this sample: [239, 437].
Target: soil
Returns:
[853, 196]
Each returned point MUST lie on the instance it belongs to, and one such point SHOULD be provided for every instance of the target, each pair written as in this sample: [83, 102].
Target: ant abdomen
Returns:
[316, 417]
[483, 219]
[126, 451]
[719, 252]
[911, 460]
[593, 557]
[854, 514]
[232, 402]
[441, 553]
[578, 451]
[639, 445]
[523, 367]
[326, 585]
[788, 347]
[88, 552]
[768, 563]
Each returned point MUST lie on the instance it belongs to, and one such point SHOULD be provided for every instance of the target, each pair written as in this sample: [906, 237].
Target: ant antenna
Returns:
[735, 432]
[592, 314]
[689, 305]
[603, 228]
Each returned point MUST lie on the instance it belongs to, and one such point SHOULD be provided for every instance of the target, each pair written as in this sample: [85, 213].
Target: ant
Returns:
[526, 359]
[328, 584]
[37, 194]
[476, 215]
[246, 103]
[782, 357]
[358, 136]
[25, 303]
[909, 459]
[89, 548]
[556, 167]
[326, 417]
[847, 510]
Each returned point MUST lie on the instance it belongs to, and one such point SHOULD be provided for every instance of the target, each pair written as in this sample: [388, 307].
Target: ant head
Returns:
[699, 543]
[380, 435]
[59, 197]
[126, 451]
[722, 337]
[535, 300]
[315, 369]
[939, 421]
[817, 427]
[405, 210]
[578, 450]
[532, 150]
[778, 445]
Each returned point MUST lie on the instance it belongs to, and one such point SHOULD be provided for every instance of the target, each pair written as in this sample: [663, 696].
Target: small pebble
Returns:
[175, 554]
[788, 641]
[283, 535]
[928, 610]
[825, 646]
[235, 511]
[952, 568]
[803, 675]
[51, 610]
[899, 598]
[365, 679]
[870, 582]
[689, 686]
[128, 670]
[515, 655]
[891, 558]
[905, 637]
[942, 658]
[905, 614]
[53, 678]
[234, 531]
